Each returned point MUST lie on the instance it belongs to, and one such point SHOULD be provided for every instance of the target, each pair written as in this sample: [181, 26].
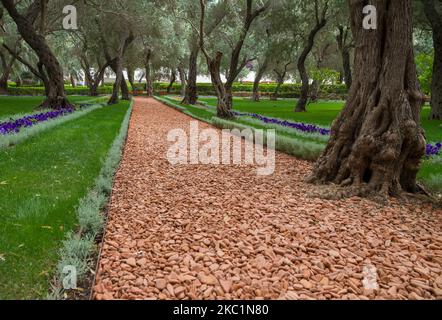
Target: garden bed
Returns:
[43, 180]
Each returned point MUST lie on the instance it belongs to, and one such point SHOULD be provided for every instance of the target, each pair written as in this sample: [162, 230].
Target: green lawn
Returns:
[10, 105]
[322, 113]
[41, 182]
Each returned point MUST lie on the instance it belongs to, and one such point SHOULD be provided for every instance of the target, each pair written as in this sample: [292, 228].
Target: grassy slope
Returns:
[41, 182]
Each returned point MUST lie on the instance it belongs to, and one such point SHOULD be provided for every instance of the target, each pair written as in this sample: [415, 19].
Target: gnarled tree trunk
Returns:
[7, 66]
[346, 65]
[54, 84]
[303, 99]
[182, 80]
[314, 91]
[72, 80]
[149, 85]
[377, 142]
[224, 92]
[280, 77]
[131, 77]
[224, 105]
[124, 88]
[172, 80]
[191, 95]
[344, 48]
[435, 19]
[436, 85]
[258, 77]
[117, 84]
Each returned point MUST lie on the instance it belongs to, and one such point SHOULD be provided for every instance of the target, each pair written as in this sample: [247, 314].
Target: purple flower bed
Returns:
[306, 128]
[14, 126]
[431, 150]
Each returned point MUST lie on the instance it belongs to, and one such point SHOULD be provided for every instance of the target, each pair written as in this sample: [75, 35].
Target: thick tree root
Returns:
[225, 114]
[55, 103]
[336, 192]
[377, 142]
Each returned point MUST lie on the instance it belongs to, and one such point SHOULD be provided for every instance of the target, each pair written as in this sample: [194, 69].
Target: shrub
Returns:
[78, 247]
[338, 92]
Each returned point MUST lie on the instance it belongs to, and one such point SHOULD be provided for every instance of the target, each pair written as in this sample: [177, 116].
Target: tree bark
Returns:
[191, 91]
[125, 95]
[73, 81]
[149, 85]
[99, 78]
[344, 49]
[280, 77]
[436, 85]
[224, 105]
[117, 66]
[314, 91]
[191, 95]
[93, 81]
[123, 84]
[140, 79]
[18, 80]
[182, 80]
[56, 96]
[131, 77]
[7, 68]
[172, 80]
[303, 99]
[3, 85]
[435, 19]
[377, 141]
[224, 91]
[118, 81]
[346, 65]
[262, 69]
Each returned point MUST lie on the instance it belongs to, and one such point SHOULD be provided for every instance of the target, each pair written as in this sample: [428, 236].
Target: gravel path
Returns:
[206, 232]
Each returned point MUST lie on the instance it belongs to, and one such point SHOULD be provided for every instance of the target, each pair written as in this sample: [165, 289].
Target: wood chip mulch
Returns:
[222, 232]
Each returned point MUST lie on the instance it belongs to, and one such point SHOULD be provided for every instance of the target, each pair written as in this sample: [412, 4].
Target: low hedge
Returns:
[204, 89]
[38, 91]
[286, 90]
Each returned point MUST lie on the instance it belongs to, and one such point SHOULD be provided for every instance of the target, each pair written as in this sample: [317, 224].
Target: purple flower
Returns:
[306, 128]
[14, 126]
[431, 150]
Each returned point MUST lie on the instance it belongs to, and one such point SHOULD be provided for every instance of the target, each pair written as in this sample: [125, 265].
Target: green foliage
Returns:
[75, 253]
[327, 76]
[424, 64]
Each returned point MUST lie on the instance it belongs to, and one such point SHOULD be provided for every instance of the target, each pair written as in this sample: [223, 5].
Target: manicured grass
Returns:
[10, 105]
[41, 182]
[322, 113]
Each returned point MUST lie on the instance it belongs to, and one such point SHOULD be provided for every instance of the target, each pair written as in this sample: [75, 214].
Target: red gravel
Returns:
[222, 232]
